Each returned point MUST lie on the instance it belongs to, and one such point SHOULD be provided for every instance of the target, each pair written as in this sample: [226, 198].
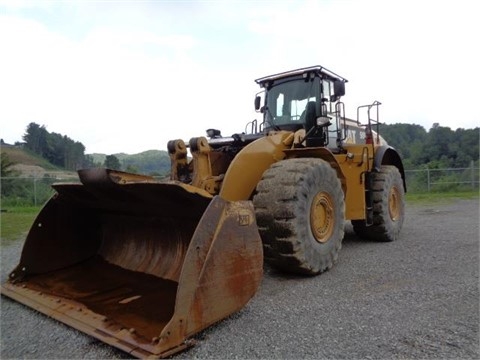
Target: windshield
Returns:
[286, 102]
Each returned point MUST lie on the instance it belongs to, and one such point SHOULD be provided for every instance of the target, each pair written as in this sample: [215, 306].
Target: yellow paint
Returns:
[247, 168]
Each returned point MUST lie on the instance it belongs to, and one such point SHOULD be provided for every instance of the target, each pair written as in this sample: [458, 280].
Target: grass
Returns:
[15, 222]
[440, 198]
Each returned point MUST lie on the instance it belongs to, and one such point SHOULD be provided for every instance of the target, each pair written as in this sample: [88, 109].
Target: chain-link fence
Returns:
[30, 190]
[442, 180]
[37, 189]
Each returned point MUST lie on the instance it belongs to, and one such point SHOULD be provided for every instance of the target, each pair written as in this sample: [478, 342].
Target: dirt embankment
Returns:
[26, 164]
[36, 171]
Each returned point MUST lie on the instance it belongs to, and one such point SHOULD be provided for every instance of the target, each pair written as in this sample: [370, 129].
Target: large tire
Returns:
[388, 207]
[300, 210]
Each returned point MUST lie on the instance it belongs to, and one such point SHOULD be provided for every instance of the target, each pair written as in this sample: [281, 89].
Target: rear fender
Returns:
[387, 155]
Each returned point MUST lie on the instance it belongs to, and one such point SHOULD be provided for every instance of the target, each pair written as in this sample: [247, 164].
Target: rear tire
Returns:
[300, 211]
[388, 207]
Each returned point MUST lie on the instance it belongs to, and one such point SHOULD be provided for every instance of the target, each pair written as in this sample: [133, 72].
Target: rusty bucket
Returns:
[138, 264]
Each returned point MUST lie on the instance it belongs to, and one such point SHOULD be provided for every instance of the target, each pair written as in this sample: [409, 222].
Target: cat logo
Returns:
[355, 136]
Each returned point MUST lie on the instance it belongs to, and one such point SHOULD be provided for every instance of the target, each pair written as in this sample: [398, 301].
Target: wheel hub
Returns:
[322, 218]
[394, 203]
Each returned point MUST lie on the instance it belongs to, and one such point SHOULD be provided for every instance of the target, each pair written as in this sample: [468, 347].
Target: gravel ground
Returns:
[417, 297]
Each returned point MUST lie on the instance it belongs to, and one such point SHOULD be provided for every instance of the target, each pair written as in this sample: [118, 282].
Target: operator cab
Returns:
[306, 98]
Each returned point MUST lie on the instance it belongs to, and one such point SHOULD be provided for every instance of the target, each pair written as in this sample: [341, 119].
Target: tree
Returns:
[6, 171]
[112, 162]
[36, 139]
[5, 166]
[132, 169]
[88, 162]
[58, 149]
[403, 136]
[468, 146]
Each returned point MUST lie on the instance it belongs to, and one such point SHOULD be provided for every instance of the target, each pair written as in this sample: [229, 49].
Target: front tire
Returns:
[300, 212]
[388, 207]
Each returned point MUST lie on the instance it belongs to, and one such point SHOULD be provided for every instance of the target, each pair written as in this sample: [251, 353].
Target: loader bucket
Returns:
[138, 264]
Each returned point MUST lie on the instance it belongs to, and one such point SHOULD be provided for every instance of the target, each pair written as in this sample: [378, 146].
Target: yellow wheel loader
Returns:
[143, 265]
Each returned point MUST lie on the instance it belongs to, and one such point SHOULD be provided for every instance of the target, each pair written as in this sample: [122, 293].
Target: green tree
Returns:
[6, 165]
[404, 137]
[467, 146]
[112, 162]
[58, 149]
[88, 162]
[132, 169]
[8, 184]
[440, 147]
[36, 139]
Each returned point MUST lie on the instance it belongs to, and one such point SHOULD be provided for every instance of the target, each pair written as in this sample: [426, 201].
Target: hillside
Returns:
[30, 164]
[147, 162]
[23, 156]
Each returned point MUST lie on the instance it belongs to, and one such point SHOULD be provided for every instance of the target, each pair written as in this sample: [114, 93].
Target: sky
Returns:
[128, 76]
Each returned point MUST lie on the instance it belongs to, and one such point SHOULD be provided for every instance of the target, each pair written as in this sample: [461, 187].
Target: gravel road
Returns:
[417, 297]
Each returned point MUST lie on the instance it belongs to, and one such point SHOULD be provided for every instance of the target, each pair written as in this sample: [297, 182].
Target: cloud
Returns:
[115, 89]
[130, 77]
[104, 89]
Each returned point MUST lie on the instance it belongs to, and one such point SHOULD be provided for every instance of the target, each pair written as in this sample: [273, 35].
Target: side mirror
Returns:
[258, 100]
[338, 88]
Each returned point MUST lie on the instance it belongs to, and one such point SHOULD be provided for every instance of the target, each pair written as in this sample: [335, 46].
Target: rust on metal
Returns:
[138, 264]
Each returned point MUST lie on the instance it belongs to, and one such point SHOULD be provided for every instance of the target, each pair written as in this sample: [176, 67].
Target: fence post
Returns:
[35, 189]
[473, 175]
[428, 179]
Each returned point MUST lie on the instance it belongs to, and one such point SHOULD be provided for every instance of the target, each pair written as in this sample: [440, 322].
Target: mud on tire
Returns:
[300, 209]
[388, 207]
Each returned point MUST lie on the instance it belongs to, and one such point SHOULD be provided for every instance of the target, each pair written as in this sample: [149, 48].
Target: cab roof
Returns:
[317, 69]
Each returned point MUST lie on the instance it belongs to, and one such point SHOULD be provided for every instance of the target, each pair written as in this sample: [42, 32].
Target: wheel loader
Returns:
[144, 264]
